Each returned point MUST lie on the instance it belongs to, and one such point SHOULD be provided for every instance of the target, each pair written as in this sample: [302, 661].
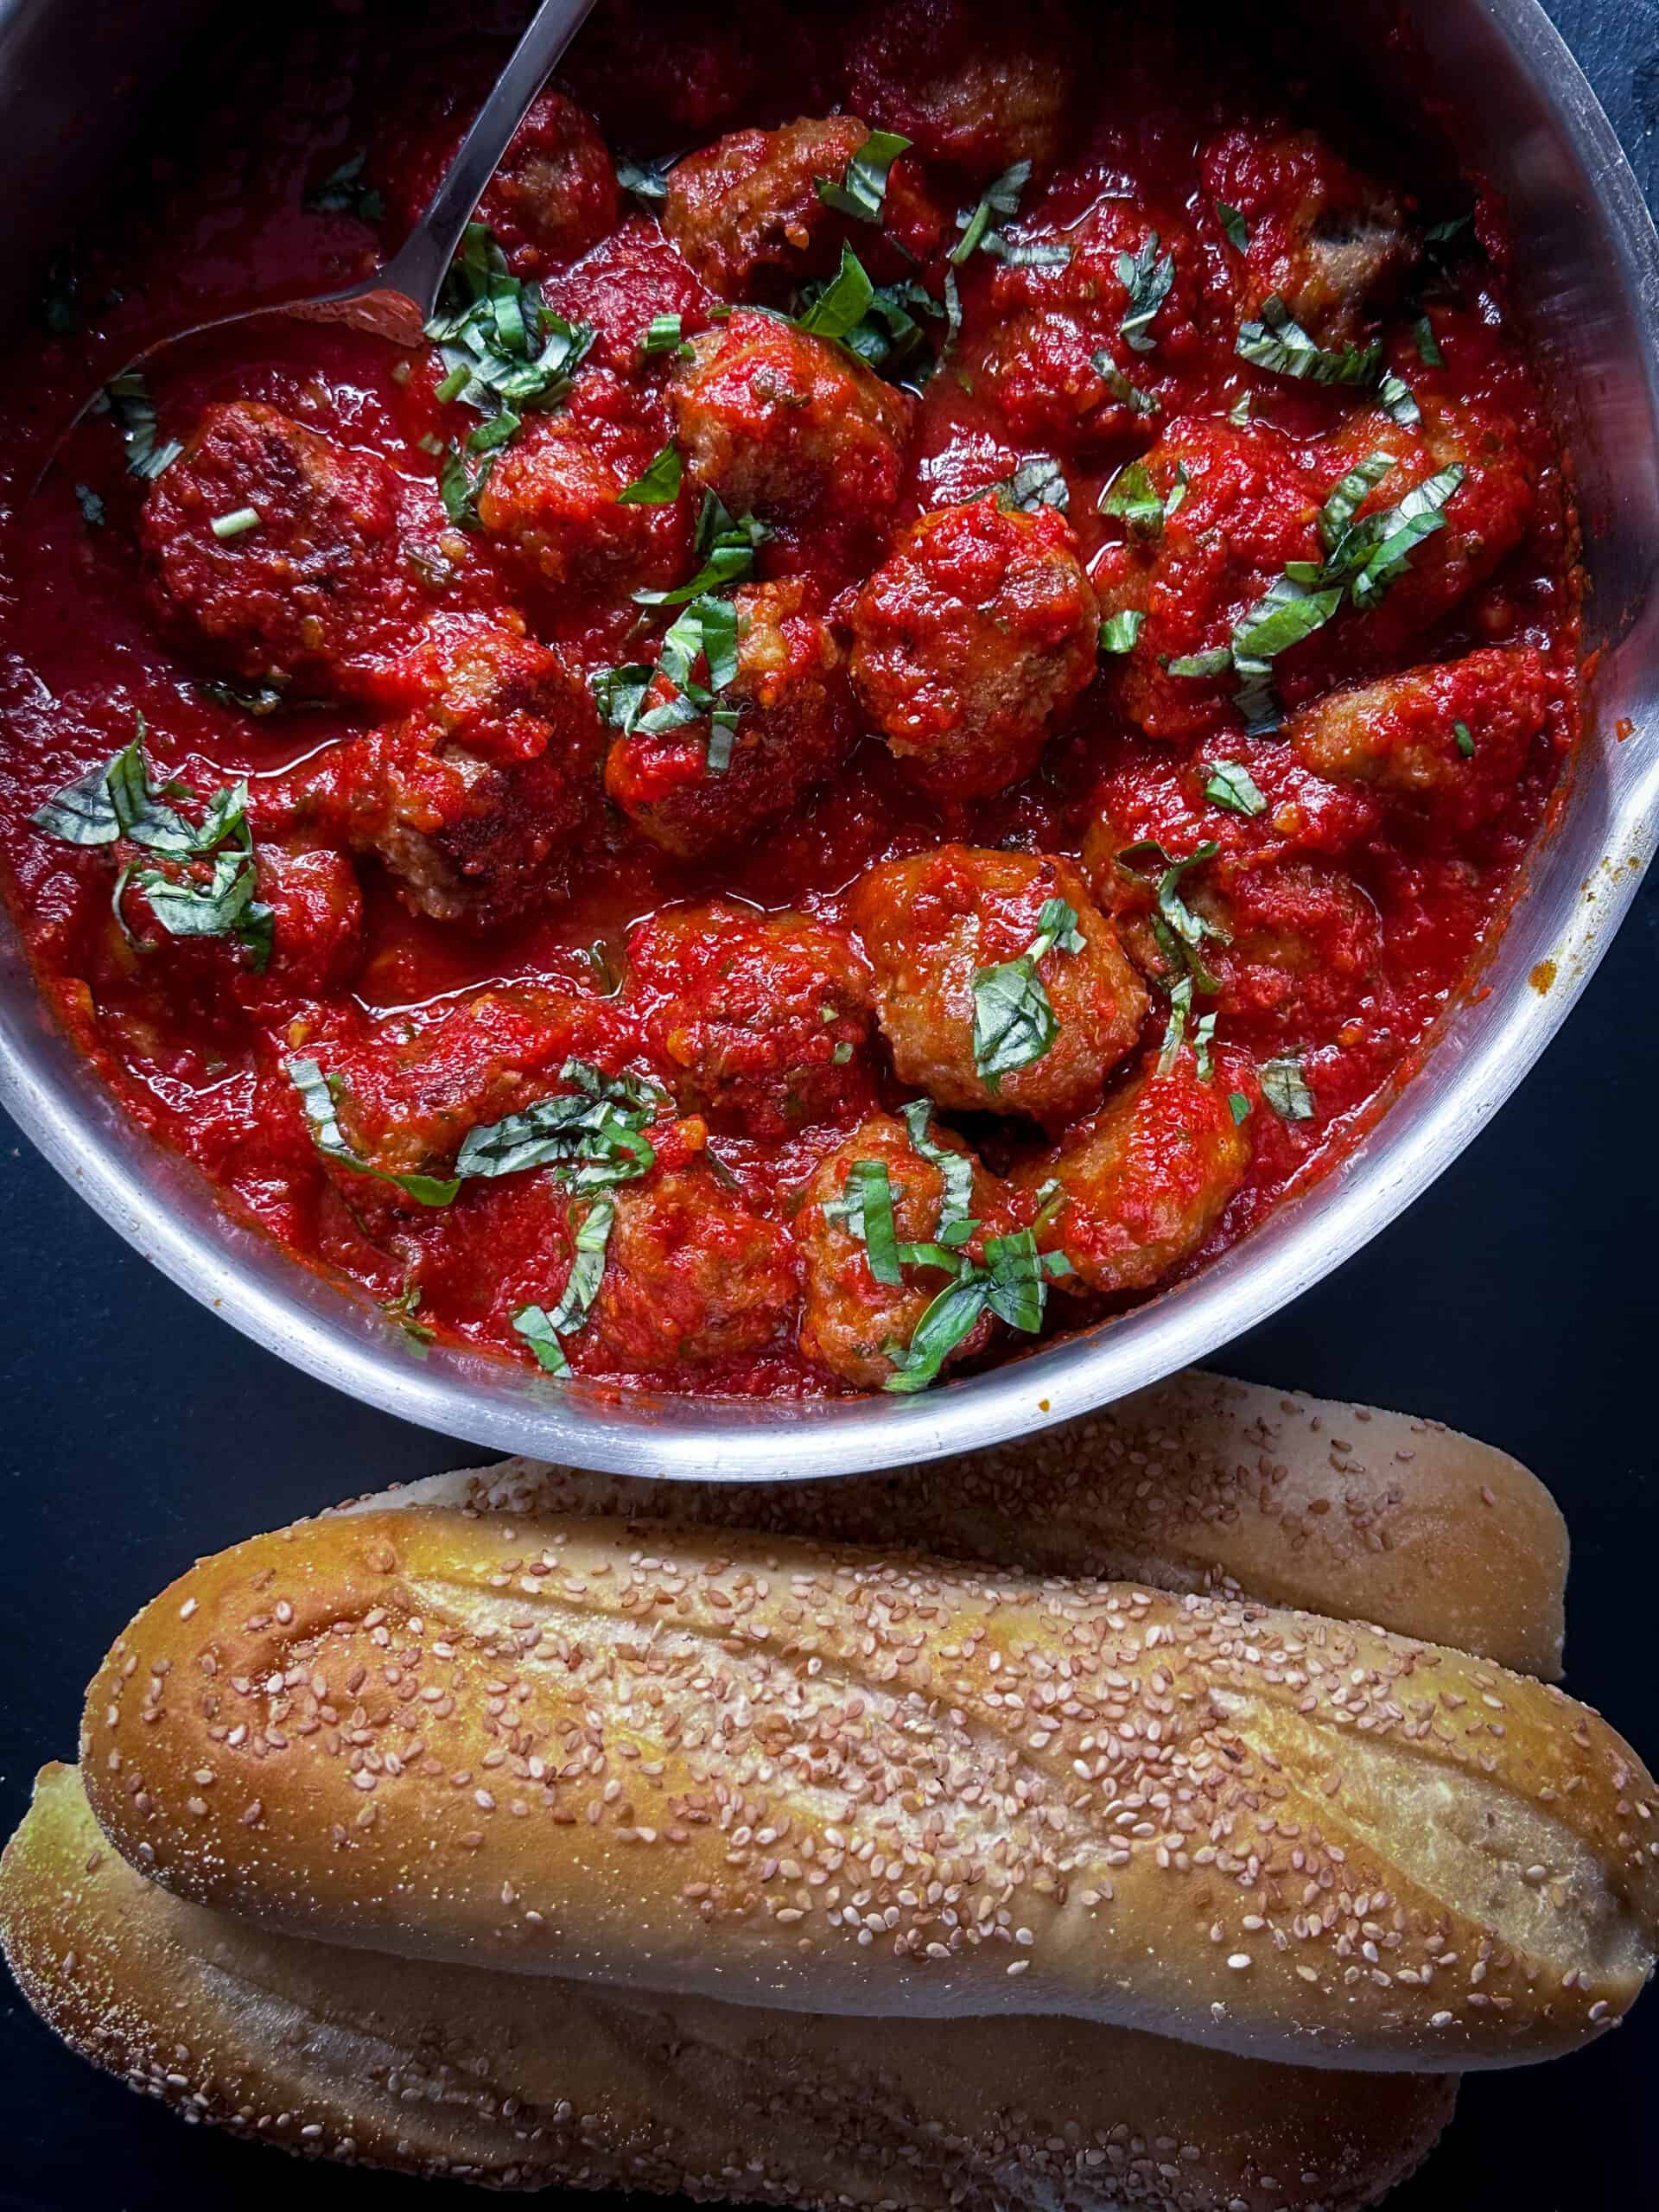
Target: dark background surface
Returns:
[1514, 1301]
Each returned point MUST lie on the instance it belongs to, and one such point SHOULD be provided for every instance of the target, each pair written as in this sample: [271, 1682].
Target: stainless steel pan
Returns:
[71, 75]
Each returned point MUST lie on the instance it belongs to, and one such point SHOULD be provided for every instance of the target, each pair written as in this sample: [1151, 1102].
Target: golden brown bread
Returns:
[526, 2081]
[816, 1778]
[1198, 1484]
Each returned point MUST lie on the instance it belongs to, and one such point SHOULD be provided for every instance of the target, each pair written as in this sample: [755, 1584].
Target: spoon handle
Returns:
[418, 268]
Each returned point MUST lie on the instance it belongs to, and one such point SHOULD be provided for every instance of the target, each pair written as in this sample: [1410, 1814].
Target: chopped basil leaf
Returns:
[541, 1330]
[120, 800]
[1002, 197]
[258, 699]
[722, 738]
[646, 180]
[1181, 1009]
[225, 905]
[1038, 482]
[947, 1322]
[1238, 229]
[1130, 395]
[1014, 1020]
[1239, 413]
[727, 549]
[1277, 341]
[535, 1324]
[237, 523]
[1233, 787]
[1429, 351]
[1239, 1106]
[663, 335]
[1285, 613]
[1349, 496]
[1465, 736]
[91, 507]
[865, 1207]
[1444, 246]
[1217, 662]
[888, 337]
[1147, 277]
[620, 693]
[458, 487]
[1012, 1285]
[862, 191]
[1133, 497]
[843, 305]
[956, 1169]
[402, 1309]
[505, 349]
[1204, 1036]
[592, 1137]
[1285, 1088]
[1398, 401]
[1384, 543]
[134, 412]
[343, 192]
[317, 1104]
[1119, 633]
[1179, 931]
[660, 485]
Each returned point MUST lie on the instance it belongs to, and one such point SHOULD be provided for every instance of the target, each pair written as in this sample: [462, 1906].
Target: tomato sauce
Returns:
[1129, 427]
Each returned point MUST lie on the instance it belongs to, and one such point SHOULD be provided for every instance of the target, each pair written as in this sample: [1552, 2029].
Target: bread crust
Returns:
[1198, 1484]
[527, 2083]
[826, 1780]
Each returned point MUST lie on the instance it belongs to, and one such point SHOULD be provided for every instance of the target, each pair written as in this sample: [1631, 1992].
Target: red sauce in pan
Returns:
[987, 667]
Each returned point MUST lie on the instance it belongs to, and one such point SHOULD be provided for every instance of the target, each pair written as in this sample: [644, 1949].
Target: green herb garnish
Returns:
[659, 484]
[1285, 1088]
[343, 192]
[1147, 277]
[1277, 341]
[862, 191]
[318, 1104]
[1014, 1022]
[1229, 784]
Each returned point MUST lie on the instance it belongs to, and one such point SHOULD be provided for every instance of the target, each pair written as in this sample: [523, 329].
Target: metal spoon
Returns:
[399, 301]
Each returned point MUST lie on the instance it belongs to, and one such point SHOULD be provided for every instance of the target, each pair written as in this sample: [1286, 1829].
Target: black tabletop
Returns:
[1512, 1301]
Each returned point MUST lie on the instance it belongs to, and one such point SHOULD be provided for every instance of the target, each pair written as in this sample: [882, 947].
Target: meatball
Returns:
[554, 195]
[316, 916]
[796, 724]
[406, 1093]
[555, 497]
[478, 802]
[1452, 740]
[1485, 516]
[309, 947]
[1057, 329]
[851, 1323]
[690, 1274]
[1140, 1186]
[314, 589]
[747, 213]
[978, 629]
[934, 927]
[790, 426]
[1237, 504]
[1326, 240]
[758, 1021]
[952, 77]
[620, 289]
